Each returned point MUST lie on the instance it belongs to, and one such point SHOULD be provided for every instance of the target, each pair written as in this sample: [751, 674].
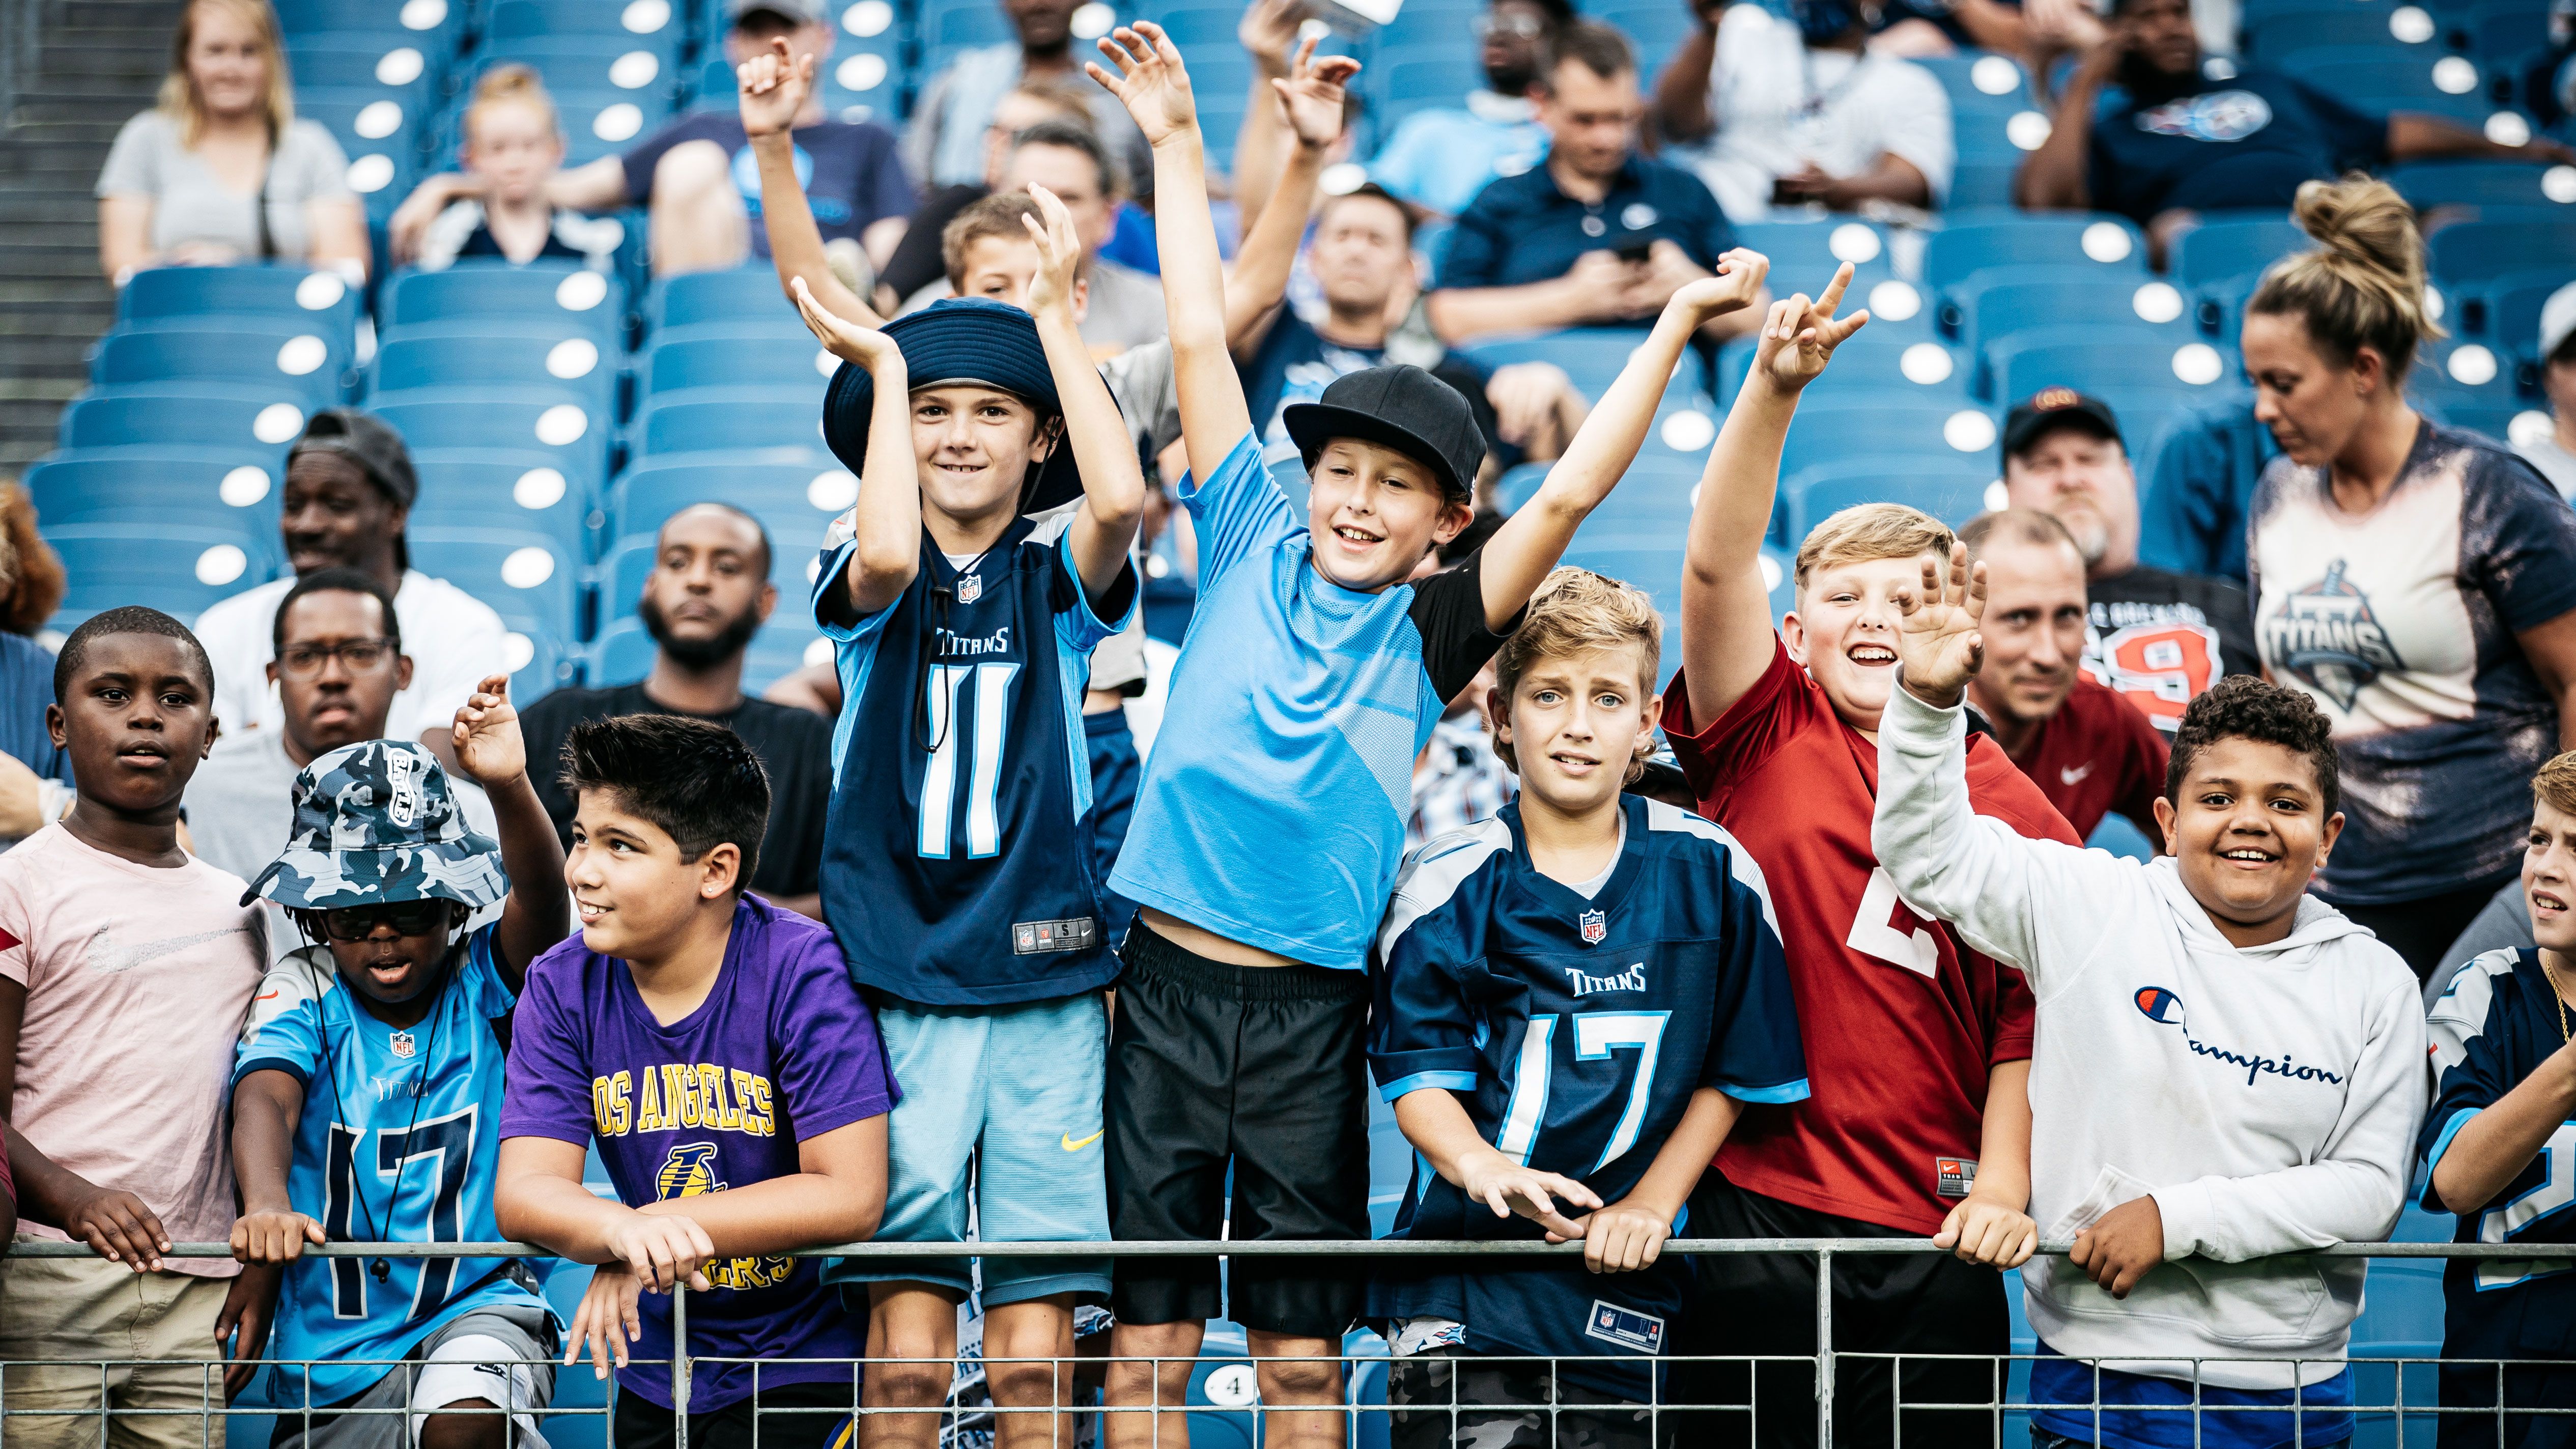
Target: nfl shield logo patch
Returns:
[402, 1044]
[1595, 926]
[970, 587]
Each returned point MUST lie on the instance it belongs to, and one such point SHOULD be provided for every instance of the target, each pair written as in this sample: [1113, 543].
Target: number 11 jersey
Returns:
[956, 871]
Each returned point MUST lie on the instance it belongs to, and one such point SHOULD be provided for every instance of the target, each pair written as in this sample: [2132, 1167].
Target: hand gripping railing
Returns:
[1823, 1250]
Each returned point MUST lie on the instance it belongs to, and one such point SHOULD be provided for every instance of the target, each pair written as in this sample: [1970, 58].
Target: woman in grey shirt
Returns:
[221, 171]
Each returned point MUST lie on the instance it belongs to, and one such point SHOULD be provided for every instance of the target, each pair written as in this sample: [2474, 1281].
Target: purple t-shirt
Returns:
[781, 1050]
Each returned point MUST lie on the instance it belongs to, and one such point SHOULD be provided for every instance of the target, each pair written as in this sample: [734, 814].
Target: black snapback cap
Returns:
[1401, 407]
[2052, 408]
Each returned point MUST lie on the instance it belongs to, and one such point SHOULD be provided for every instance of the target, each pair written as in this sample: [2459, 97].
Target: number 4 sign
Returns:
[1892, 931]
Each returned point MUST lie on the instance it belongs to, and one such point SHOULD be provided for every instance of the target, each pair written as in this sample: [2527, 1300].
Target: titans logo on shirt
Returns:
[2218, 116]
[2329, 637]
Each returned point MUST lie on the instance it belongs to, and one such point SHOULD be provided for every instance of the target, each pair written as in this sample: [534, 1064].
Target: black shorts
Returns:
[1450, 1400]
[1764, 1304]
[817, 1417]
[1262, 1067]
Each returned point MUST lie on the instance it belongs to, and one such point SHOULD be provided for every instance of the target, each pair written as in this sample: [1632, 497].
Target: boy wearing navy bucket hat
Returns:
[1270, 824]
[367, 1094]
[956, 870]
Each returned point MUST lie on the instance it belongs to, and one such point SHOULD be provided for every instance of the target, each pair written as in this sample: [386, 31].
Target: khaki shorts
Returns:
[61, 1319]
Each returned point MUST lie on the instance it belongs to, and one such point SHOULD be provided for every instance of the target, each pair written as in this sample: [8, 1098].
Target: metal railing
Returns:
[1822, 1364]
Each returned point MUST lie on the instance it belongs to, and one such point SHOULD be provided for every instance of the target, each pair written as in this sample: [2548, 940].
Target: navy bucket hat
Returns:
[954, 340]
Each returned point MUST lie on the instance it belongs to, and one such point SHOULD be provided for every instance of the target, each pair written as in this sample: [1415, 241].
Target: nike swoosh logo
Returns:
[2076, 775]
[1071, 1145]
[105, 955]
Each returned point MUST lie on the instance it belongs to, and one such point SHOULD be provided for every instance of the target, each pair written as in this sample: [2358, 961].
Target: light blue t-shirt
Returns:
[1274, 802]
[1441, 158]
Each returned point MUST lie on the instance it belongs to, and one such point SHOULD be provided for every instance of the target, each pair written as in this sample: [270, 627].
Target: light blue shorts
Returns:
[1000, 1117]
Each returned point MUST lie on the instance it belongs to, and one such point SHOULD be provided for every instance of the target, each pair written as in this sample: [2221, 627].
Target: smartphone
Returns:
[1636, 251]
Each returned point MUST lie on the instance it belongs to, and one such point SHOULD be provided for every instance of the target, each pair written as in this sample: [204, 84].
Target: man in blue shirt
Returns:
[1438, 159]
[1601, 234]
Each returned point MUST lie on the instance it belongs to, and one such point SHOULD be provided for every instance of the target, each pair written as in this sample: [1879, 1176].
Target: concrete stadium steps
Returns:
[97, 63]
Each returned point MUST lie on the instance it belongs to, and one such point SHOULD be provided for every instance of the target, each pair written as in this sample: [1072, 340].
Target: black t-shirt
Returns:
[794, 745]
[851, 173]
[2164, 638]
[481, 243]
[2244, 142]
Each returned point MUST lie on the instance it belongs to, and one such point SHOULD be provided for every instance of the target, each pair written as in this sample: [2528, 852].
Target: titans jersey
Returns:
[1573, 1032]
[2495, 1025]
[956, 869]
[397, 1143]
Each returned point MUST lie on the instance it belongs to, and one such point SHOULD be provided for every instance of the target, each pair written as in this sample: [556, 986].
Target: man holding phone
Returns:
[1600, 235]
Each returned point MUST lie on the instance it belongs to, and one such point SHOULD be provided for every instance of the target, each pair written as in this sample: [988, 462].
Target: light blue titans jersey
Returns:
[1573, 1030]
[956, 864]
[1273, 807]
[398, 1142]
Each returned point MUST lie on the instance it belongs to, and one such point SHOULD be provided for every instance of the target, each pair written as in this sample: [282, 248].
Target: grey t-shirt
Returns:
[241, 806]
[189, 204]
[2554, 462]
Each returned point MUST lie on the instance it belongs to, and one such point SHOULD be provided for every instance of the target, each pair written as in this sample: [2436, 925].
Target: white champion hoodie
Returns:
[2267, 1098]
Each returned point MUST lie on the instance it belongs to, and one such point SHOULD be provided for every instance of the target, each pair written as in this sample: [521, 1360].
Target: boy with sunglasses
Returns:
[367, 1093]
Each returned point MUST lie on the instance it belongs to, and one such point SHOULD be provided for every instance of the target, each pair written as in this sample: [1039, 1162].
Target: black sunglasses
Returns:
[356, 923]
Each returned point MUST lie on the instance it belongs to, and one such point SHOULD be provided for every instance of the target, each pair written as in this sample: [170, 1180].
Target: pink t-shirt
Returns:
[138, 981]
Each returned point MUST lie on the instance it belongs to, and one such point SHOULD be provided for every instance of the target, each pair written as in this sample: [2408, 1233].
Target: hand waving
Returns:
[1738, 281]
[1799, 336]
[844, 339]
[1059, 254]
[774, 85]
[489, 747]
[1267, 32]
[1151, 81]
[1311, 96]
[1938, 648]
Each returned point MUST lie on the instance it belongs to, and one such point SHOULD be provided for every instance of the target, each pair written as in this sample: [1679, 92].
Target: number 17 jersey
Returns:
[956, 870]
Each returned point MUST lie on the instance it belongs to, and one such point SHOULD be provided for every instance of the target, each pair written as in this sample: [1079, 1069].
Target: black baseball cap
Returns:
[2052, 408]
[794, 12]
[366, 440]
[1401, 407]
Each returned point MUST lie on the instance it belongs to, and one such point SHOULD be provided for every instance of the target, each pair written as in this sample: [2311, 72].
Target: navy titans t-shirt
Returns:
[851, 174]
[2247, 141]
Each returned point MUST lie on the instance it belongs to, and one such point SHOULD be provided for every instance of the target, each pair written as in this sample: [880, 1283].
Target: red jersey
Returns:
[1900, 1022]
[2097, 754]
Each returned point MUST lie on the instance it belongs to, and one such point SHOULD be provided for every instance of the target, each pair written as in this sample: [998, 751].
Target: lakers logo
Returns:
[690, 1171]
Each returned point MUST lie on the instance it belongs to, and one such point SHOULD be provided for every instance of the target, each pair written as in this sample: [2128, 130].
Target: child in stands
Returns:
[126, 968]
[2228, 1072]
[1574, 1001]
[401, 1013]
[514, 145]
[713, 1046]
[2500, 1144]
[1270, 823]
[1917, 1046]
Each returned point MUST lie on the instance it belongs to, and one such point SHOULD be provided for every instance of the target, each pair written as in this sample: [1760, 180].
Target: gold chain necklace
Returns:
[2554, 998]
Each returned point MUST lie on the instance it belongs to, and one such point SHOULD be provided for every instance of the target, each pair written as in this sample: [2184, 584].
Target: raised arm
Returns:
[1307, 105]
[1104, 452]
[774, 85]
[1726, 611]
[1526, 547]
[1155, 87]
[1268, 31]
[887, 518]
[494, 754]
[2054, 177]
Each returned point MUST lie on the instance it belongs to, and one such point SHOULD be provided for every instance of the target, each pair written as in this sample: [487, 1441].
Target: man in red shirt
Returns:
[2086, 747]
[1918, 1048]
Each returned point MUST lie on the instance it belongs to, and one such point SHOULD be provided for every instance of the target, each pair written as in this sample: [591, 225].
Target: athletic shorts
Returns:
[1261, 1067]
[781, 1416]
[1001, 1117]
[501, 1356]
[1451, 1400]
[1764, 1304]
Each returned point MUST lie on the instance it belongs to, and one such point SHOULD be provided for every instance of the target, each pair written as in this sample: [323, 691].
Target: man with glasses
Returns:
[1438, 159]
[338, 664]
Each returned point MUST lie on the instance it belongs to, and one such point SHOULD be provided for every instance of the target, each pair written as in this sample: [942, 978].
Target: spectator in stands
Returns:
[2159, 638]
[349, 489]
[1945, 27]
[916, 261]
[2194, 518]
[1440, 157]
[699, 187]
[1602, 233]
[1122, 307]
[2418, 581]
[35, 773]
[708, 594]
[2087, 749]
[514, 142]
[1805, 111]
[2555, 455]
[221, 171]
[2142, 130]
[944, 145]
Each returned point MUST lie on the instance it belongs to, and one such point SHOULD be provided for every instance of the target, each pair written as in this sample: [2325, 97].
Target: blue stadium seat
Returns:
[1655, 494]
[1997, 303]
[795, 497]
[260, 420]
[787, 643]
[1928, 431]
[744, 295]
[1804, 254]
[549, 666]
[433, 21]
[623, 652]
[1981, 82]
[2271, 37]
[2474, 183]
[2101, 356]
[216, 490]
[539, 359]
[2501, 29]
[1591, 356]
[1419, 78]
[1988, 240]
[741, 361]
[2378, 78]
[402, 64]
[2234, 244]
[525, 576]
[1951, 492]
[701, 418]
[320, 301]
[257, 351]
[495, 417]
[586, 63]
[2508, 314]
[654, 23]
[1652, 26]
[1650, 560]
[949, 26]
[368, 120]
[179, 569]
[504, 488]
[1984, 181]
[602, 123]
[2458, 372]
[2472, 251]
[549, 291]
[1893, 364]
[1780, 580]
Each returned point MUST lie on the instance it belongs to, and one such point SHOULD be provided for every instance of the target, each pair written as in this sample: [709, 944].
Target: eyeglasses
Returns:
[1525, 27]
[357, 923]
[360, 656]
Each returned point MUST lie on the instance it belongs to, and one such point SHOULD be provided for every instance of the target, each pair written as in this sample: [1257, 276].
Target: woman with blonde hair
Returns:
[514, 144]
[221, 171]
[2416, 580]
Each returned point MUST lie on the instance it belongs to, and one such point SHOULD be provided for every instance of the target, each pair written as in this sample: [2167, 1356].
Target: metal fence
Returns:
[2402, 1393]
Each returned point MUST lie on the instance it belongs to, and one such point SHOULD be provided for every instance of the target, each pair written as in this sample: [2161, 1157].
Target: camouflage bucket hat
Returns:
[376, 822]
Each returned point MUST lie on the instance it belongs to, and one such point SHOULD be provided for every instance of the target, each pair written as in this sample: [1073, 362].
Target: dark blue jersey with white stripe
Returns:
[957, 868]
[1574, 1033]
